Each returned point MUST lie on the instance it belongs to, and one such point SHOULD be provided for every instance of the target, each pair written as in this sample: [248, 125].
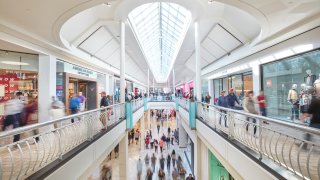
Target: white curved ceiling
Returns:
[225, 26]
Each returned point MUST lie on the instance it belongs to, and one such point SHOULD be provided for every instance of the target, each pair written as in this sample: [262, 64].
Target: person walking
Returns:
[172, 137]
[161, 145]
[168, 141]
[161, 174]
[82, 101]
[232, 99]
[57, 110]
[12, 112]
[175, 174]
[314, 112]
[104, 103]
[136, 136]
[161, 160]
[74, 105]
[147, 159]
[223, 102]
[173, 157]
[249, 106]
[149, 174]
[153, 162]
[139, 169]
[168, 162]
[155, 146]
[179, 163]
[158, 127]
[190, 177]
[262, 103]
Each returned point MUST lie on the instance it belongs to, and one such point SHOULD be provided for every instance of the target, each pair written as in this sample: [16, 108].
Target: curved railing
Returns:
[46, 142]
[137, 104]
[184, 103]
[285, 143]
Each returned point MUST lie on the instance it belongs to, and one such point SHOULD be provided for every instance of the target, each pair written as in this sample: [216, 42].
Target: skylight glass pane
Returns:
[160, 28]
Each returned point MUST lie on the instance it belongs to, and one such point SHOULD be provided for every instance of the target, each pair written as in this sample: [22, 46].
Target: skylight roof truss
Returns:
[160, 28]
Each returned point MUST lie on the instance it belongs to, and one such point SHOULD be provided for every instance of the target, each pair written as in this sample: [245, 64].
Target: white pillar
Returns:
[148, 84]
[47, 85]
[204, 162]
[123, 157]
[173, 84]
[198, 61]
[210, 90]
[122, 62]
[197, 157]
[256, 79]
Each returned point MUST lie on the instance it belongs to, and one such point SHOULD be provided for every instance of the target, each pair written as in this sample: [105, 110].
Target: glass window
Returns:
[247, 84]
[217, 87]
[236, 84]
[278, 79]
[225, 84]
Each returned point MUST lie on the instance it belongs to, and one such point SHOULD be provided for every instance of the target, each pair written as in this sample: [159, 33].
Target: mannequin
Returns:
[293, 98]
[310, 78]
[316, 86]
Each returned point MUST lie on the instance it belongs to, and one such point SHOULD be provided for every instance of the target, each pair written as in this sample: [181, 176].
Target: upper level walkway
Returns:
[286, 149]
[279, 149]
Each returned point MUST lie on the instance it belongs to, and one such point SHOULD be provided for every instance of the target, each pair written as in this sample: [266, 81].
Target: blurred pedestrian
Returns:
[314, 112]
[155, 146]
[190, 177]
[104, 103]
[232, 99]
[249, 106]
[161, 145]
[147, 159]
[223, 102]
[173, 157]
[106, 173]
[74, 105]
[175, 174]
[161, 174]
[149, 174]
[153, 162]
[261, 99]
[82, 101]
[161, 161]
[12, 112]
[168, 162]
[57, 110]
[139, 169]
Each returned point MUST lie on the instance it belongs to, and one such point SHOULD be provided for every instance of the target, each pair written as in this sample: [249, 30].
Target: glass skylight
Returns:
[160, 28]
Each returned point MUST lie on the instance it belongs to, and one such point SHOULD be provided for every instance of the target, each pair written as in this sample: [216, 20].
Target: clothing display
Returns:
[293, 96]
[316, 85]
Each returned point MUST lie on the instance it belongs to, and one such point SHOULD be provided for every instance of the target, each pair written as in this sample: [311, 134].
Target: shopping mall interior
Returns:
[158, 89]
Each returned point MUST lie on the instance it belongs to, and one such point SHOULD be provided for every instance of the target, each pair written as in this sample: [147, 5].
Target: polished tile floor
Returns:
[135, 152]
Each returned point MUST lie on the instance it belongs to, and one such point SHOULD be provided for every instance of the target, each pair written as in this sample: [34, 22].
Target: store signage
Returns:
[73, 69]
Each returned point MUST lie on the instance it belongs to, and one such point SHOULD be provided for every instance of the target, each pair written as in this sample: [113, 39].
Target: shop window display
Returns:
[290, 84]
[18, 73]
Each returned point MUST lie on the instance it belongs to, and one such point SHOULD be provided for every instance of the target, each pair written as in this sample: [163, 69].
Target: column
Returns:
[210, 90]
[198, 62]
[197, 157]
[256, 79]
[142, 131]
[123, 157]
[122, 62]
[46, 85]
[182, 135]
[148, 89]
[173, 85]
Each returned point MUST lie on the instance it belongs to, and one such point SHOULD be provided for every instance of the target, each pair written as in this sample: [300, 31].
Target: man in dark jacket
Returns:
[104, 101]
[231, 99]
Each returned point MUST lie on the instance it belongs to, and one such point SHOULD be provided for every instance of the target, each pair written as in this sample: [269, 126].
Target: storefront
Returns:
[241, 83]
[189, 153]
[128, 88]
[72, 79]
[184, 90]
[290, 84]
[18, 73]
[216, 169]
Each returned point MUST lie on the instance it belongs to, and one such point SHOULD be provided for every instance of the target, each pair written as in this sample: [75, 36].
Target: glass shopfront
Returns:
[241, 83]
[72, 79]
[18, 73]
[290, 84]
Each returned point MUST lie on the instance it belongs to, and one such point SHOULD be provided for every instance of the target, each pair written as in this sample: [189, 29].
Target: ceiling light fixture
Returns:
[14, 63]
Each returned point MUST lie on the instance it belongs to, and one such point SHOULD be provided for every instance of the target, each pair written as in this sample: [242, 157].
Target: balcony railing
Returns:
[184, 103]
[137, 104]
[43, 143]
[292, 146]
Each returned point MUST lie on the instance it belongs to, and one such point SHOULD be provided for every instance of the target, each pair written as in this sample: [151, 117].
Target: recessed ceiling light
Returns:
[15, 63]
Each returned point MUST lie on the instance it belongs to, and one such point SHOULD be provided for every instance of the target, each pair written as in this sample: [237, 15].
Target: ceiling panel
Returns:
[114, 60]
[223, 38]
[212, 48]
[96, 41]
[107, 51]
[206, 55]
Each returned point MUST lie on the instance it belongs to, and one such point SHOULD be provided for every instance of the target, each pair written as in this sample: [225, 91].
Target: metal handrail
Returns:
[301, 127]
[43, 124]
[281, 142]
[50, 141]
